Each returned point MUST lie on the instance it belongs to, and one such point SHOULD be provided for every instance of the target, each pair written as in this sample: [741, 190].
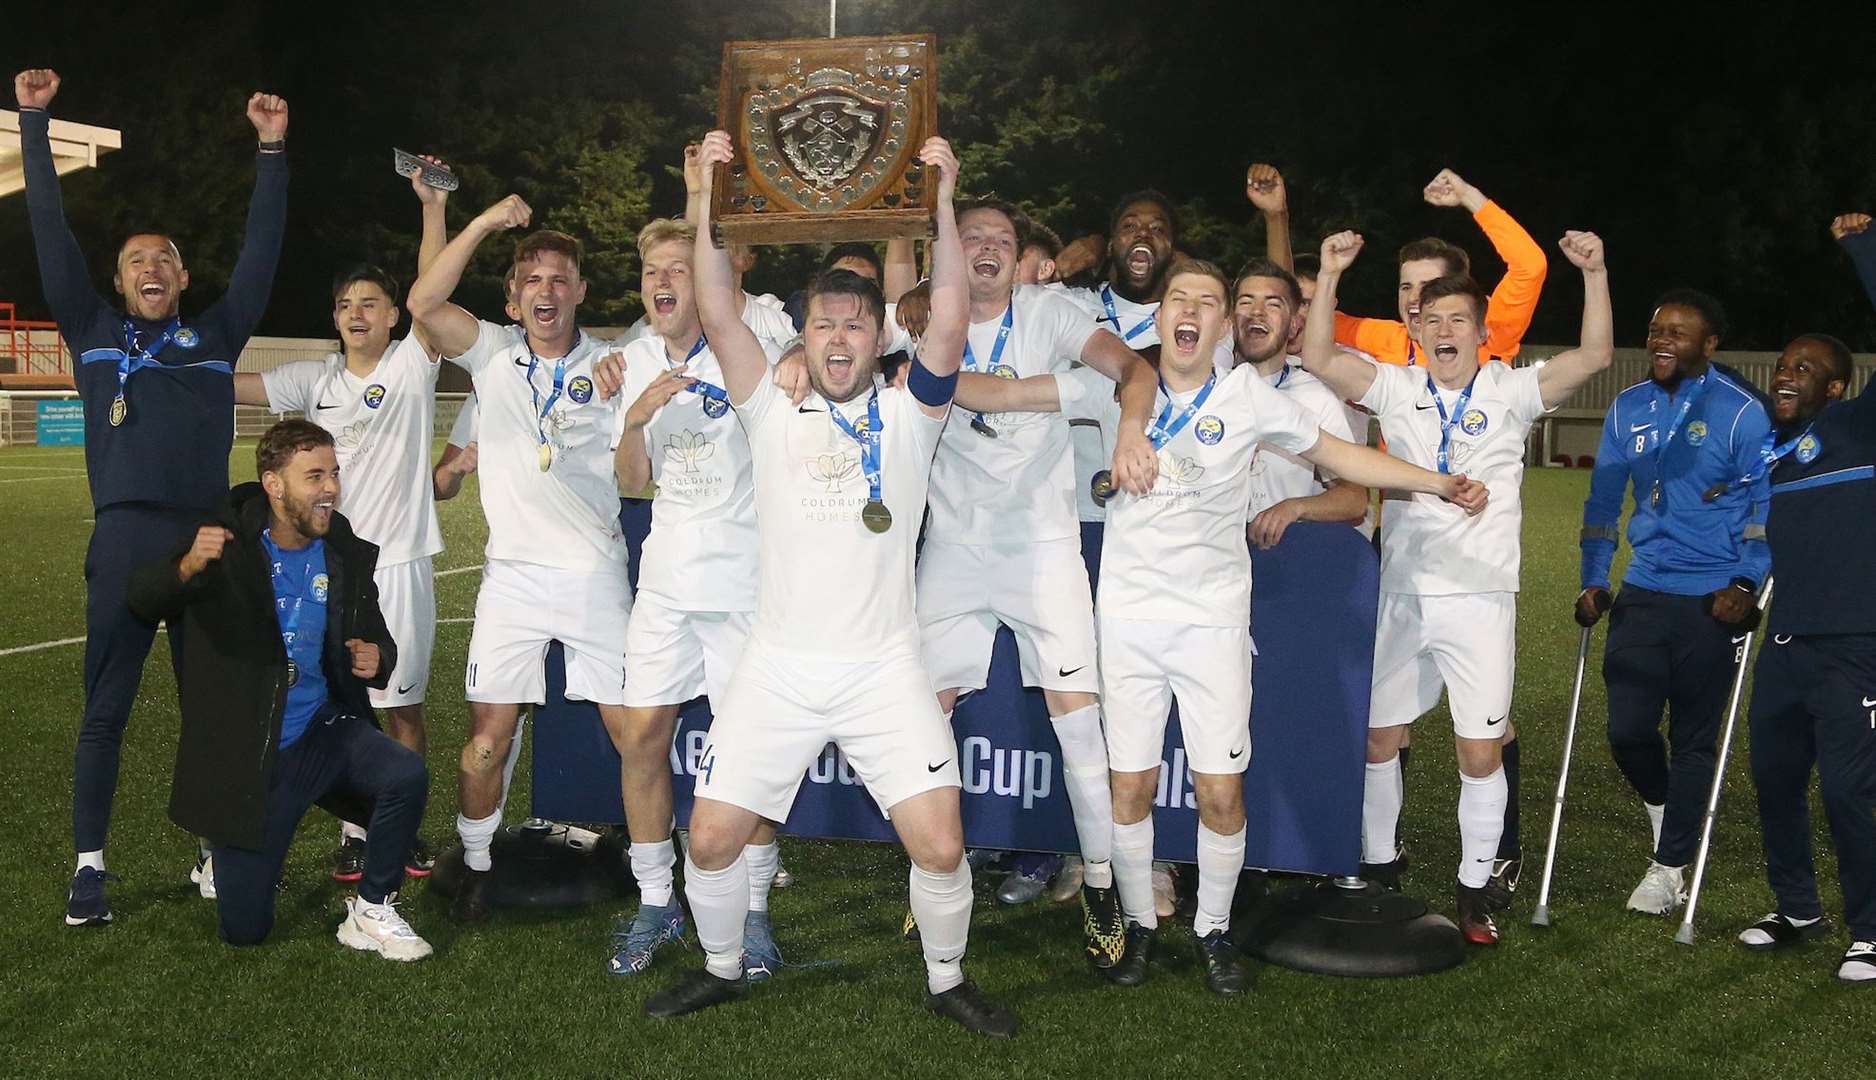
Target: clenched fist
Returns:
[1339, 251]
[510, 213]
[35, 88]
[365, 658]
[209, 542]
[1263, 185]
[268, 114]
[1840, 226]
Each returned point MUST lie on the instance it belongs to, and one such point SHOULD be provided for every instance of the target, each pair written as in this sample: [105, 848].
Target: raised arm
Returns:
[252, 281]
[1514, 301]
[446, 328]
[1349, 376]
[1859, 240]
[901, 268]
[942, 350]
[713, 283]
[1565, 373]
[433, 238]
[1263, 185]
[62, 273]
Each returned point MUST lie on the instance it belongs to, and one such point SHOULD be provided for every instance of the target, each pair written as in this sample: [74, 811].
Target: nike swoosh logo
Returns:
[1063, 673]
[1633, 428]
[1495, 723]
[323, 405]
[805, 409]
[1238, 753]
[1486, 859]
[521, 363]
[1741, 638]
[406, 689]
[1869, 703]
[1423, 406]
[1781, 639]
[940, 765]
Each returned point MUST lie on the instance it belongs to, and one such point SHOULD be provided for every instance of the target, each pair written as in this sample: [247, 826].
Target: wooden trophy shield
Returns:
[827, 133]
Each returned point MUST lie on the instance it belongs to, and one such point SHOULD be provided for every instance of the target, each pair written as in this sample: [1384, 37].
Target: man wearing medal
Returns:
[840, 487]
[697, 580]
[1002, 544]
[159, 424]
[555, 560]
[1447, 617]
[1683, 439]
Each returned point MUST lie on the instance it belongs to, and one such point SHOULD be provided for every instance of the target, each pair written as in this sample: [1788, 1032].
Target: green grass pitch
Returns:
[1602, 993]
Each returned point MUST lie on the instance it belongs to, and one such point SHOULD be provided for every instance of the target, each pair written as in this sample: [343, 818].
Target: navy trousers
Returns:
[1665, 652]
[1814, 704]
[344, 754]
[116, 645]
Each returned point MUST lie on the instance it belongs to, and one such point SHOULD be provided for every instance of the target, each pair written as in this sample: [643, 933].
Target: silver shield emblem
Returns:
[827, 135]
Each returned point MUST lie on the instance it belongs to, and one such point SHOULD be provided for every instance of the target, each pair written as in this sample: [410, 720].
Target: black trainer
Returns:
[86, 905]
[422, 859]
[1776, 931]
[471, 904]
[1131, 970]
[973, 1011]
[1387, 874]
[696, 990]
[1504, 881]
[1103, 927]
[1224, 967]
[348, 862]
[1475, 915]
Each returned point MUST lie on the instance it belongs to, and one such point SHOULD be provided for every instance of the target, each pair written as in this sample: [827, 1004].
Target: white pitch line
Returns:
[458, 570]
[29, 479]
[43, 468]
[41, 645]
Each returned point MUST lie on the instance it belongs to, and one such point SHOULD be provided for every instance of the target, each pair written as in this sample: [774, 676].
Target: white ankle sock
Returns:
[763, 860]
[349, 831]
[1221, 860]
[941, 903]
[719, 904]
[1133, 870]
[1655, 814]
[476, 838]
[651, 868]
[93, 859]
[1381, 797]
[1481, 824]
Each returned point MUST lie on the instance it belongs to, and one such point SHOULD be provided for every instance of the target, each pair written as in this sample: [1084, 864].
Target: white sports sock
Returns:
[1084, 773]
[1221, 860]
[349, 831]
[93, 859]
[719, 904]
[651, 868]
[763, 860]
[941, 903]
[1381, 798]
[1481, 823]
[514, 755]
[1655, 814]
[476, 838]
[1133, 871]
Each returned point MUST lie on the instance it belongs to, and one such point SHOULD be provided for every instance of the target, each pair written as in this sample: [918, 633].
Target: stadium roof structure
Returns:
[74, 147]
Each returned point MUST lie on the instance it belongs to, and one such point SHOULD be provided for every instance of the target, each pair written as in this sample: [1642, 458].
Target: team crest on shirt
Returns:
[1696, 433]
[835, 469]
[187, 338]
[1473, 422]
[1808, 449]
[1209, 430]
[320, 585]
[714, 408]
[1003, 371]
[580, 389]
[374, 395]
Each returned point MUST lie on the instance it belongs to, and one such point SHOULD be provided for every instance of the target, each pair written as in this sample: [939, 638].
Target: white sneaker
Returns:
[379, 928]
[1067, 884]
[1165, 901]
[203, 875]
[1859, 964]
[1659, 892]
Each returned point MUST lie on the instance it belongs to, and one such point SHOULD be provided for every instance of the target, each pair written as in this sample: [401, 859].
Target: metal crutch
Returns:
[1541, 916]
[1685, 935]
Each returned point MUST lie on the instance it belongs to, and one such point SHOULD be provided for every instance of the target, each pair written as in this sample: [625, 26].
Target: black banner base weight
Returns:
[1345, 927]
[541, 866]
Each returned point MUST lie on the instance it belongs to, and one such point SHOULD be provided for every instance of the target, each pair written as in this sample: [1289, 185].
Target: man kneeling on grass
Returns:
[283, 636]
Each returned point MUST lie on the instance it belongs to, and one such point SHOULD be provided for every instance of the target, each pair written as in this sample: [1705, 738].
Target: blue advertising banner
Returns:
[60, 423]
[1313, 618]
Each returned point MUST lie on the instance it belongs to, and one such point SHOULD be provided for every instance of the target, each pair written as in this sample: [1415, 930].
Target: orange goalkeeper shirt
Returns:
[1507, 316]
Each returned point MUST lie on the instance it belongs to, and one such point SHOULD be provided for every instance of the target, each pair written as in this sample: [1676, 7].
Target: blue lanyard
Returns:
[1166, 427]
[1113, 316]
[1771, 452]
[716, 399]
[867, 437]
[996, 354]
[1446, 424]
[133, 358]
[1694, 394]
[1281, 375]
[560, 379]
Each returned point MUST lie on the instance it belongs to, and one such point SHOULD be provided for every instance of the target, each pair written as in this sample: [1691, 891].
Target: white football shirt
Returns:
[1429, 546]
[1019, 486]
[1277, 474]
[1179, 554]
[381, 427]
[463, 431]
[701, 552]
[567, 516]
[829, 587]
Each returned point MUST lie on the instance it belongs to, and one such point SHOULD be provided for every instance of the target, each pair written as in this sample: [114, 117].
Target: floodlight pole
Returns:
[833, 7]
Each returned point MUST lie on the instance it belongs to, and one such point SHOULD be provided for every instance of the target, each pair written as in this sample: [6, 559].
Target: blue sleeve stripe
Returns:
[1840, 476]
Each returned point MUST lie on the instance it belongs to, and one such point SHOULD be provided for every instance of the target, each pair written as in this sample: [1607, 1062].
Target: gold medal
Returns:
[1102, 487]
[119, 409]
[547, 457]
[875, 516]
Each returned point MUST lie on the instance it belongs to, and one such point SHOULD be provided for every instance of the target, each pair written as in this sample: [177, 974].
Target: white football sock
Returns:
[1084, 773]
[1481, 823]
[1381, 798]
[719, 904]
[1221, 860]
[763, 860]
[651, 868]
[93, 859]
[1655, 814]
[514, 755]
[1133, 871]
[476, 838]
[941, 904]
